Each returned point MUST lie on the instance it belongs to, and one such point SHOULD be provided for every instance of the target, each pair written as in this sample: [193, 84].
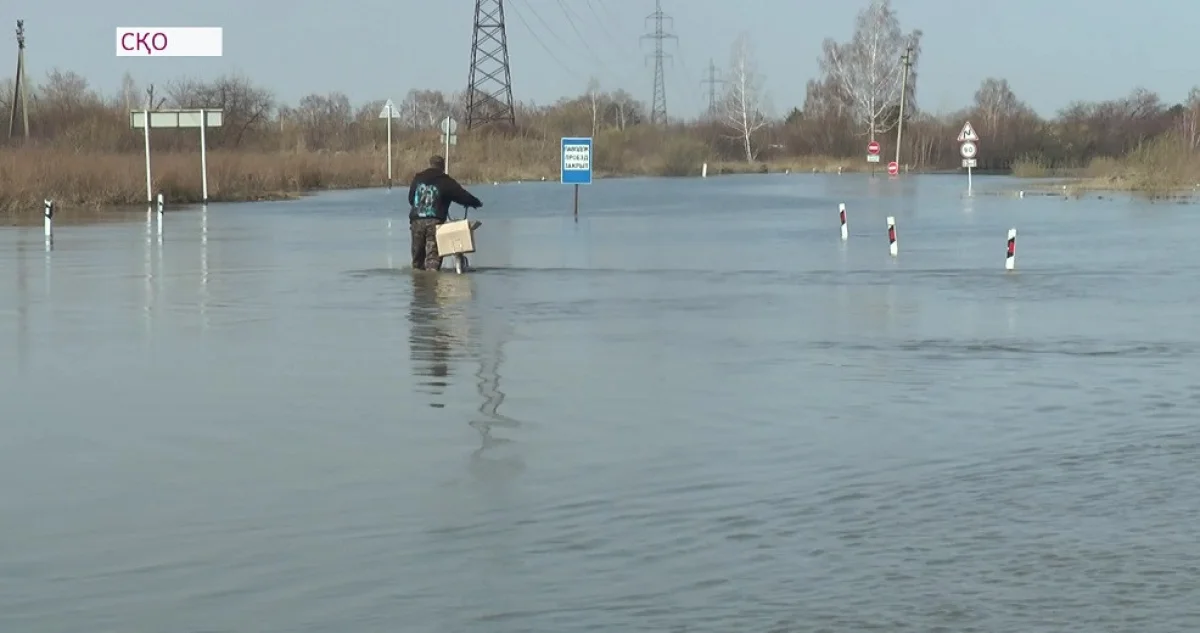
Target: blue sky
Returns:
[1052, 52]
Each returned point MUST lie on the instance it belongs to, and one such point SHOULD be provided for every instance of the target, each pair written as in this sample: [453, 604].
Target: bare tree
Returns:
[325, 120]
[623, 110]
[458, 105]
[827, 119]
[593, 92]
[128, 95]
[1187, 123]
[424, 109]
[63, 92]
[868, 67]
[742, 107]
[996, 102]
[244, 106]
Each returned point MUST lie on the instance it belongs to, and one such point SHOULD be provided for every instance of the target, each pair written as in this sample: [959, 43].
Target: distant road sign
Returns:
[893, 168]
[388, 111]
[968, 150]
[576, 167]
[968, 135]
[969, 162]
[873, 148]
[449, 126]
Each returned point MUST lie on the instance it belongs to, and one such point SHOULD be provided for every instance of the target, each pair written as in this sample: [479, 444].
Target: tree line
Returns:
[856, 98]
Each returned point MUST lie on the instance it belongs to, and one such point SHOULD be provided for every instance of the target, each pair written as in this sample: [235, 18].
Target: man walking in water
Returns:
[430, 195]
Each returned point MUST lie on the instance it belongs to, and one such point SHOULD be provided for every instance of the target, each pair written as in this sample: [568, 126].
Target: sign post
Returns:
[146, 135]
[576, 164]
[177, 119]
[968, 150]
[389, 112]
[449, 137]
[873, 155]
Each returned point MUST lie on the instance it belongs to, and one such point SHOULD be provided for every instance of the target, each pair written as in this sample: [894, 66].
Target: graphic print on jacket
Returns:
[425, 200]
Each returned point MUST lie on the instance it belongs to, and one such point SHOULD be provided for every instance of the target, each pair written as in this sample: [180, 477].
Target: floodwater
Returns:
[696, 409]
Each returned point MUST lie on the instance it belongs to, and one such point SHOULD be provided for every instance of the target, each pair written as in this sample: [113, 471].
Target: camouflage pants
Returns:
[424, 244]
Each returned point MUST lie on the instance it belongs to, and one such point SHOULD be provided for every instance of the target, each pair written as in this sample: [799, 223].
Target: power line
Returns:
[658, 111]
[608, 12]
[582, 39]
[549, 52]
[605, 22]
[554, 33]
[591, 7]
[688, 76]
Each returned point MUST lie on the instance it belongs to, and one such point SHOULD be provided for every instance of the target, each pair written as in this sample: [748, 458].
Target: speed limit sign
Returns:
[968, 150]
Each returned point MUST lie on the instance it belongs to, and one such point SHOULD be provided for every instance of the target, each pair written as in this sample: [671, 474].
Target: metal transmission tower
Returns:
[489, 87]
[20, 87]
[658, 111]
[712, 82]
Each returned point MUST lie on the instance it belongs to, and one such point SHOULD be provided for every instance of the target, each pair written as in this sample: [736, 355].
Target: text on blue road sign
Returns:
[576, 160]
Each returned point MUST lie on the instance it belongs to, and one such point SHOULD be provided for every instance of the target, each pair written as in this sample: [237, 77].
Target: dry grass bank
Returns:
[795, 165]
[90, 180]
[1163, 167]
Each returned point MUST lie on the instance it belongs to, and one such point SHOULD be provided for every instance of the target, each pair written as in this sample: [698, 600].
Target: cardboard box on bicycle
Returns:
[456, 237]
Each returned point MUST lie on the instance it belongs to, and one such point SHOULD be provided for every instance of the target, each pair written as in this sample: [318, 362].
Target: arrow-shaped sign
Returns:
[388, 111]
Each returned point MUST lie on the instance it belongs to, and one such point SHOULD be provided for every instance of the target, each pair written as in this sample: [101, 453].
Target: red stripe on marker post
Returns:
[842, 214]
[1010, 257]
[891, 223]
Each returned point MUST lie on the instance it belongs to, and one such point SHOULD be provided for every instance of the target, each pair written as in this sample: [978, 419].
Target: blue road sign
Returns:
[576, 166]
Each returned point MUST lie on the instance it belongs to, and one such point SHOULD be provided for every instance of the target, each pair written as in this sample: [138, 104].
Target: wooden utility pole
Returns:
[906, 59]
[20, 87]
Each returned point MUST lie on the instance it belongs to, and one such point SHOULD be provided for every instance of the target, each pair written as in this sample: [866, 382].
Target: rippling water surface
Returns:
[696, 409]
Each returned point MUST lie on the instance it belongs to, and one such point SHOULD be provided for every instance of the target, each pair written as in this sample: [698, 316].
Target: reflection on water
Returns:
[390, 246]
[160, 267]
[48, 260]
[491, 397]
[148, 276]
[22, 308]
[440, 335]
[492, 463]
[204, 297]
[488, 383]
[437, 315]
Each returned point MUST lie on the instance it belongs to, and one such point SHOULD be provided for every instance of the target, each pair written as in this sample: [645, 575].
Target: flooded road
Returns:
[696, 409]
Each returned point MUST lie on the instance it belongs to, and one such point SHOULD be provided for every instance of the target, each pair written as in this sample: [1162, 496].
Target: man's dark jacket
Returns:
[438, 191]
